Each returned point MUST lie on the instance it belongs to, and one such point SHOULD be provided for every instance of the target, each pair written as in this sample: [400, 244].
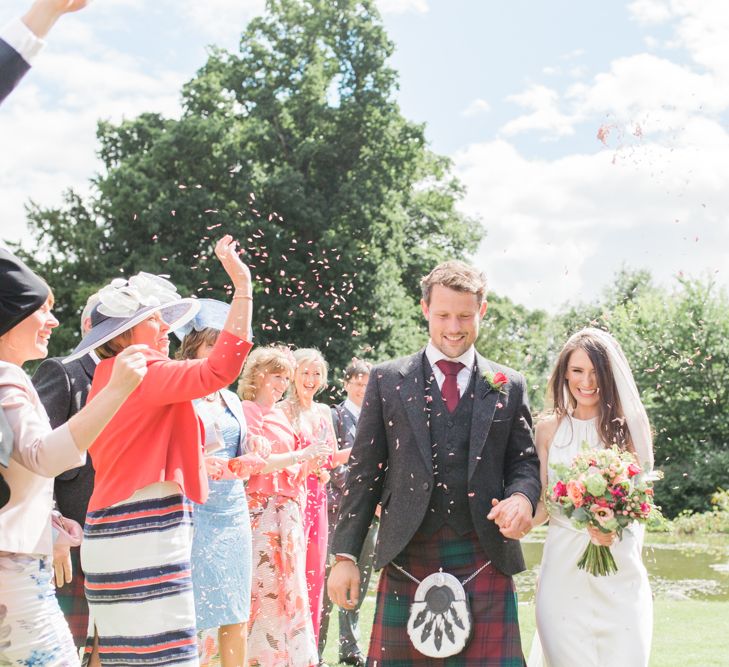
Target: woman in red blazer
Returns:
[149, 466]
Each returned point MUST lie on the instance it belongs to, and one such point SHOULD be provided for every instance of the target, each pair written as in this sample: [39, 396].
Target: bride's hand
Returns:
[239, 273]
[600, 538]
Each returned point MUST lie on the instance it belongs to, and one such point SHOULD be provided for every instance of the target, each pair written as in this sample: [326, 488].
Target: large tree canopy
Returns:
[297, 147]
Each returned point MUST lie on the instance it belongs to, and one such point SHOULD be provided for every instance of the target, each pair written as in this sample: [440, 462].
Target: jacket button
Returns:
[426, 486]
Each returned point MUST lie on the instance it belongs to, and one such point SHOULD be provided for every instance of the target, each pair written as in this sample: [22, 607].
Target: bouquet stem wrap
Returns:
[598, 560]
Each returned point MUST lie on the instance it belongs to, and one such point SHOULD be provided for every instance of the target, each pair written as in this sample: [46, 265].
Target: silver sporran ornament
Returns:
[440, 622]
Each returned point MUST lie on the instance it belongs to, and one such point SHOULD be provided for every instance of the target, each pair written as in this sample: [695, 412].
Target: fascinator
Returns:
[125, 303]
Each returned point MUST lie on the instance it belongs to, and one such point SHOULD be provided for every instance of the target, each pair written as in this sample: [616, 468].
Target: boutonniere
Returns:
[497, 381]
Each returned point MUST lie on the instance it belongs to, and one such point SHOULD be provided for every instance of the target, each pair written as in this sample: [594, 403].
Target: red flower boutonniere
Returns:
[497, 381]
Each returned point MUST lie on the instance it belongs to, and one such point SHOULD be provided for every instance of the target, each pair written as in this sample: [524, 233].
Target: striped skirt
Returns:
[136, 557]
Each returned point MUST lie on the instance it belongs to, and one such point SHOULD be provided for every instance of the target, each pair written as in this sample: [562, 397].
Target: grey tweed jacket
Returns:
[391, 461]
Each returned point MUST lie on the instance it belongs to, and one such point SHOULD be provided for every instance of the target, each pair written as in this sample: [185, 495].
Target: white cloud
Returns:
[403, 6]
[222, 20]
[48, 125]
[545, 114]
[476, 108]
[558, 230]
[650, 11]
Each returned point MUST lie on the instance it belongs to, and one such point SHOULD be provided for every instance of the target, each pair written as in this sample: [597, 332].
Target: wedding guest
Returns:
[312, 422]
[149, 466]
[221, 543]
[63, 389]
[32, 627]
[22, 39]
[345, 417]
[280, 627]
[595, 401]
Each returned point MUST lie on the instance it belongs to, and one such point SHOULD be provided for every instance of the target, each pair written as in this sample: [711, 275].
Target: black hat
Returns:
[22, 292]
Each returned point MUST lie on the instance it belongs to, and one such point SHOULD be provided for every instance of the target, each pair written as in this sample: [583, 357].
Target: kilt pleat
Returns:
[495, 641]
[72, 600]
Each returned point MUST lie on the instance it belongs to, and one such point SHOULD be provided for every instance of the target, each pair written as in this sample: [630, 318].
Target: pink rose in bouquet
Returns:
[605, 489]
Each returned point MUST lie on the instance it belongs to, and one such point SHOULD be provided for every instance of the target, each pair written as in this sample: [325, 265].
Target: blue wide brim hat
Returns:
[212, 315]
[124, 304]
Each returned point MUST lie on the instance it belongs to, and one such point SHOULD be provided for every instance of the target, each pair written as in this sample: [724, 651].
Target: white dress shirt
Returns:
[468, 359]
[21, 38]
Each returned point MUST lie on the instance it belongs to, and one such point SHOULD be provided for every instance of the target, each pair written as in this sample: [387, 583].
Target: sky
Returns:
[590, 135]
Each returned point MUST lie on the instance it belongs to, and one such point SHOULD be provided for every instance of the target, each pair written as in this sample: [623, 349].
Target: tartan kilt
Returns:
[72, 600]
[495, 640]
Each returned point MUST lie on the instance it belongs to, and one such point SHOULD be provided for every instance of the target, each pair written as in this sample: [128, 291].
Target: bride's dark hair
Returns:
[612, 427]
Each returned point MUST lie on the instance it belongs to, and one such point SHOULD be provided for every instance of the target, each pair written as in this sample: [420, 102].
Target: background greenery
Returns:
[296, 145]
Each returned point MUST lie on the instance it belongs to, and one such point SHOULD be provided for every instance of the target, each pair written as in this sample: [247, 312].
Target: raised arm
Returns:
[43, 14]
[49, 452]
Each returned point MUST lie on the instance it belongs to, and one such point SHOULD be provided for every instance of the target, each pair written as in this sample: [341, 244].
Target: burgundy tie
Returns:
[449, 390]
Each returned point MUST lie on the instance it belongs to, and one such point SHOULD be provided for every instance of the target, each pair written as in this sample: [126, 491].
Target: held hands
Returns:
[239, 273]
[130, 367]
[343, 584]
[599, 538]
[513, 516]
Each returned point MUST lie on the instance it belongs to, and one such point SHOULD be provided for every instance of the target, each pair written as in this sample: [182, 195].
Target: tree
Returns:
[678, 345]
[297, 146]
[522, 339]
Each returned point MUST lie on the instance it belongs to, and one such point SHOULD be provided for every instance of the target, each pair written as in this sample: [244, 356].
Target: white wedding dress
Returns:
[582, 619]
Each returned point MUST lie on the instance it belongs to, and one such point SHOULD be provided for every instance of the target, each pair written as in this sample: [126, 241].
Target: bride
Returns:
[583, 619]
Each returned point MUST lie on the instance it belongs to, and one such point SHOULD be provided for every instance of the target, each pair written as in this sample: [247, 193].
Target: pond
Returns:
[690, 567]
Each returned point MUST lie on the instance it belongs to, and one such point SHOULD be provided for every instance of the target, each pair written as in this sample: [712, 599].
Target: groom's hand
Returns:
[513, 516]
[343, 584]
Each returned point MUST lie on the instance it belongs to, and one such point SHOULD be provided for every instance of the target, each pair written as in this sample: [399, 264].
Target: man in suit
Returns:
[345, 417]
[22, 39]
[63, 390]
[444, 444]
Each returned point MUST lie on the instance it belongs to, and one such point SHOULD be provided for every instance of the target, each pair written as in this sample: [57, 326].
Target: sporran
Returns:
[440, 622]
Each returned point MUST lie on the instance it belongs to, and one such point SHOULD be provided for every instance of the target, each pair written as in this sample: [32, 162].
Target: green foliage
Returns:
[297, 147]
[715, 520]
[521, 339]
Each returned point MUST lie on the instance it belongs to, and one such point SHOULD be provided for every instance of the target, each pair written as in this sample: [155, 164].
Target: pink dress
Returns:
[316, 527]
[280, 630]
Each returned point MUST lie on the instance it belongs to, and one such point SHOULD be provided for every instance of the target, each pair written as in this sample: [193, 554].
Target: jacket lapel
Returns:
[484, 406]
[412, 395]
[235, 406]
[89, 366]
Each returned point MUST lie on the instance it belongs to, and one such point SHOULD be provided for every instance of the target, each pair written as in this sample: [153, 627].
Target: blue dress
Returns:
[221, 545]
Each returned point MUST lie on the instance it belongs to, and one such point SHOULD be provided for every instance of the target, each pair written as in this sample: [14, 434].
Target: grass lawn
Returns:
[687, 633]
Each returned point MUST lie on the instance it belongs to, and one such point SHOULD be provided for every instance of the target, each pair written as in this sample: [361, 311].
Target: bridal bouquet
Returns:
[606, 489]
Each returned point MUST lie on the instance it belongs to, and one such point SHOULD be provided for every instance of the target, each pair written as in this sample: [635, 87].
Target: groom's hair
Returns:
[457, 276]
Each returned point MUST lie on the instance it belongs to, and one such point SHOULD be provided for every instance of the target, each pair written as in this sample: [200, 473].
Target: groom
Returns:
[444, 445]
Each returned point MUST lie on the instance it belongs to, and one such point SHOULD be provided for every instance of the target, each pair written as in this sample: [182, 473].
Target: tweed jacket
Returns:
[63, 390]
[345, 426]
[391, 461]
